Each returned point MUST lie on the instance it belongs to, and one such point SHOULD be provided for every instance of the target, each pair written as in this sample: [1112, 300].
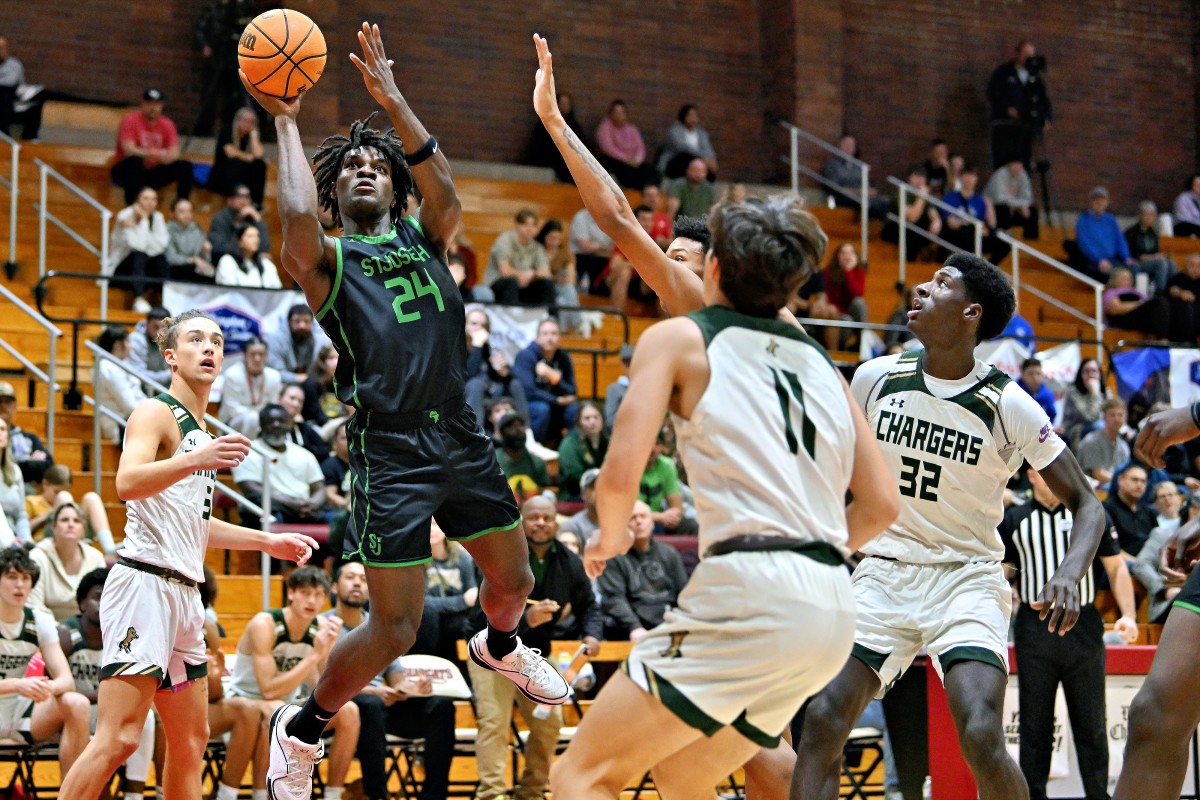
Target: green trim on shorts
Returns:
[956, 655]
[127, 669]
[1185, 604]
[676, 702]
[869, 657]
[756, 735]
[195, 672]
[389, 564]
[486, 531]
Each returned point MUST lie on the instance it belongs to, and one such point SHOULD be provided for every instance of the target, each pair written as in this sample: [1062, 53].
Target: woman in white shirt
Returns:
[118, 391]
[138, 246]
[253, 269]
[64, 559]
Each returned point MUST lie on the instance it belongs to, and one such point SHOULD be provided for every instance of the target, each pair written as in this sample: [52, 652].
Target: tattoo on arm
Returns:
[592, 163]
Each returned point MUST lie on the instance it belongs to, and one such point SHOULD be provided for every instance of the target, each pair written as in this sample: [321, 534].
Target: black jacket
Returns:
[1006, 91]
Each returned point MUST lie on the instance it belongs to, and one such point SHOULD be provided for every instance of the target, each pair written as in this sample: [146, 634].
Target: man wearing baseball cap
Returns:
[526, 472]
[1101, 243]
[148, 151]
[32, 456]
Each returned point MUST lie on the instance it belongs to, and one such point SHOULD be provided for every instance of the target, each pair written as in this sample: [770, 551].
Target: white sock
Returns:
[259, 794]
[226, 792]
[334, 792]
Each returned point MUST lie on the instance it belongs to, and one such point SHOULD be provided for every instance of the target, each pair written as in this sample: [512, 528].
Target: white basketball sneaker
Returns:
[289, 776]
[535, 677]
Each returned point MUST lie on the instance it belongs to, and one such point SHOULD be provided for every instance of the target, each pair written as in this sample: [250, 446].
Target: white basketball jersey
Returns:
[769, 447]
[83, 658]
[20, 641]
[170, 529]
[287, 654]
[953, 449]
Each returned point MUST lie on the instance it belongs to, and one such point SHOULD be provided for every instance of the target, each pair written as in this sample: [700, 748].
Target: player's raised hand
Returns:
[1161, 430]
[1060, 602]
[274, 106]
[292, 547]
[374, 65]
[545, 100]
[223, 452]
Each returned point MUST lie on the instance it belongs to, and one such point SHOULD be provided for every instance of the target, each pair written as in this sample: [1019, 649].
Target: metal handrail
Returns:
[1097, 317]
[14, 189]
[53, 335]
[902, 220]
[795, 134]
[263, 511]
[44, 215]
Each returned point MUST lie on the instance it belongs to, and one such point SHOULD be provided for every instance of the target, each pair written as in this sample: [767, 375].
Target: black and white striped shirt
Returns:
[1035, 541]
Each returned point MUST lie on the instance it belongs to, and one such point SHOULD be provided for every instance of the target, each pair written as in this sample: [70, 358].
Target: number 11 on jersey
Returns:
[787, 386]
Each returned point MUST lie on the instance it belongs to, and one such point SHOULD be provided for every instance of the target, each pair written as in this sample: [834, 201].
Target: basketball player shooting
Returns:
[386, 298]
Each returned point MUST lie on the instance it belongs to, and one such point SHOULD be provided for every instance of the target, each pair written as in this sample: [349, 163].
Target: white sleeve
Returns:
[47, 628]
[1027, 426]
[227, 271]
[867, 376]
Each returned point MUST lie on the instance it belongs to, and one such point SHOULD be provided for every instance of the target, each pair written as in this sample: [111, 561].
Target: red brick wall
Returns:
[1123, 76]
[466, 67]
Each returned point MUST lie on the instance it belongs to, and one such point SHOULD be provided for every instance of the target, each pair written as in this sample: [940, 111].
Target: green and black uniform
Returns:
[416, 448]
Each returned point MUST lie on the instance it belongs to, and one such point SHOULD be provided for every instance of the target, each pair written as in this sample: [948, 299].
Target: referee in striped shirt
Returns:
[1035, 539]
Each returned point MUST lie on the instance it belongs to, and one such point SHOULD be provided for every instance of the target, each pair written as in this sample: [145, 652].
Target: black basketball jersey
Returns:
[397, 320]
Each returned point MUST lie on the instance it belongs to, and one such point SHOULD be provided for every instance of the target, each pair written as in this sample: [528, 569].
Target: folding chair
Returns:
[23, 757]
[402, 755]
[862, 759]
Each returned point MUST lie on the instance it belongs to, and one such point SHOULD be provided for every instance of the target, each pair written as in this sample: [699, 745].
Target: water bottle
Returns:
[927, 789]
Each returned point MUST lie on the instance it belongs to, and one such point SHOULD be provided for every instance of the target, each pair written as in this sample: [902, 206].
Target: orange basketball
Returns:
[282, 53]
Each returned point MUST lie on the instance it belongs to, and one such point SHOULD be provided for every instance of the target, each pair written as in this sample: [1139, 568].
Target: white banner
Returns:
[1059, 365]
[513, 327]
[1005, 354]
[1119, 691]
[1185, 377]
[870, 345]
[241, 313]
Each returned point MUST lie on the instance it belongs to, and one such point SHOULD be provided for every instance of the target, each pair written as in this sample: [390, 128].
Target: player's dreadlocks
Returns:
[333, 151]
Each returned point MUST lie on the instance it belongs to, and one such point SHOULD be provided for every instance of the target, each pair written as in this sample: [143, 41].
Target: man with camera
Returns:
[1020, 106]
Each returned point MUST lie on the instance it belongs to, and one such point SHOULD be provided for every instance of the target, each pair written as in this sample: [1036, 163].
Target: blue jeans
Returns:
[542, 415]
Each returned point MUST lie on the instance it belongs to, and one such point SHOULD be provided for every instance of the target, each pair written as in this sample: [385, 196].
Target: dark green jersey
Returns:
[397, 320]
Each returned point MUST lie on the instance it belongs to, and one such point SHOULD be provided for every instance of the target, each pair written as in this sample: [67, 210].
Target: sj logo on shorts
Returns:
[676, 641]
[130, 635]
[374, 544]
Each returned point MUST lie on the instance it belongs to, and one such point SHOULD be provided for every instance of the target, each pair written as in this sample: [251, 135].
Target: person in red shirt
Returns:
[841, 285]
[148, 151]
[660, 228]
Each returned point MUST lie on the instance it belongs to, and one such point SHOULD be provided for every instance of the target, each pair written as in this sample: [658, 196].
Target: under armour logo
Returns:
[896, 402]
[435, 416]
[772, 346]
